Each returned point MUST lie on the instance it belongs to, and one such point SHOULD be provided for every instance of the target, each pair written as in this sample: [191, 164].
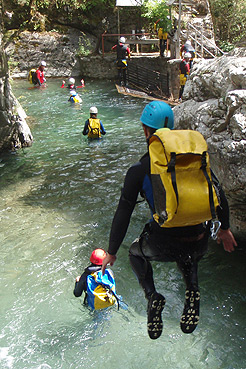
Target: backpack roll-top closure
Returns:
[181, 179]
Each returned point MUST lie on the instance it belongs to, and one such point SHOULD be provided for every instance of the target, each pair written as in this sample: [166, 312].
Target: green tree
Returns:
[157, 10]
[81, 14]
[229, 19]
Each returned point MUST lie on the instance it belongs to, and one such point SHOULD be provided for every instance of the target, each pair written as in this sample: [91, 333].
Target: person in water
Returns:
[96, 260]
[122, 52]
[71, 84]
[36, 76]
[183, 245]
[93, 126]
[74, 97]
[40, 79]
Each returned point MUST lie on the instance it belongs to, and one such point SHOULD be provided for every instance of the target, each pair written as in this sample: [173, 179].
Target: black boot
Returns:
[155, 306]
[190, 317]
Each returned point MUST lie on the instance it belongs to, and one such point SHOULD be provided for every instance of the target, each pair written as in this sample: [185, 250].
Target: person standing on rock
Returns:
[184, 245]
[162, 27]
[122, 52]
[188, 48]
[184, 68]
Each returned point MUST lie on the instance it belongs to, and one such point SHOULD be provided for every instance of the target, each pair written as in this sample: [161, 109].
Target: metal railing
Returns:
[131, 39]
[200, 43]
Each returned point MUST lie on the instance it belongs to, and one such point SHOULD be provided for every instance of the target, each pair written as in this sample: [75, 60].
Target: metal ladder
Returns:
[199, 44]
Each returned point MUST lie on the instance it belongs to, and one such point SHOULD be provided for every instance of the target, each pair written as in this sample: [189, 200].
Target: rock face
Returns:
[58, 50]
[215, 105]
[14, 131]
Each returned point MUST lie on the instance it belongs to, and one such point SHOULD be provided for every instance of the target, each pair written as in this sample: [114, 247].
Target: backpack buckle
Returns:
[214, 229]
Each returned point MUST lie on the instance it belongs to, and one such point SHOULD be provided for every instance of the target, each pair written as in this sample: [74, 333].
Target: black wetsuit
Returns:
[122, 52]
[184, 245]
[81, 285]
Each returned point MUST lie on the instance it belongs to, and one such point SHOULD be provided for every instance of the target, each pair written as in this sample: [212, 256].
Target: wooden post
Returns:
[178, 32]
[118, 12]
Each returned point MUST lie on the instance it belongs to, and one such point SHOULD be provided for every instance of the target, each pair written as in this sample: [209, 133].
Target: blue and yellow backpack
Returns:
[101, 291]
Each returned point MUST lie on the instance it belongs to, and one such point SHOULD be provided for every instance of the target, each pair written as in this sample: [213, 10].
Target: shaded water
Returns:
[57, 202]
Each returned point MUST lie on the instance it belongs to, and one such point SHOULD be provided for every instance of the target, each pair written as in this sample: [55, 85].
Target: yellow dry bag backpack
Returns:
[183, 191]
[94, 128]
[32, 77]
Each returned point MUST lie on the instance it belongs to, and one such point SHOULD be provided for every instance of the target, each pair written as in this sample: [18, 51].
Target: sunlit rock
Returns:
[215, 104]
[14, 131]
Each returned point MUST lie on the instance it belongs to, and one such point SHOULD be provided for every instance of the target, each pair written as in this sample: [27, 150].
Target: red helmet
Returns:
[97, 256]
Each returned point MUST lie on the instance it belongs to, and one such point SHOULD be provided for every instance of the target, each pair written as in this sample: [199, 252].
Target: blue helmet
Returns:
[158, 114]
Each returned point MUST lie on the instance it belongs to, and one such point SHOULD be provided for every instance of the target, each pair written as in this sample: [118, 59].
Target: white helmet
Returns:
[71, 81]
[43, 63]
[187, 55]
[93, 110]
[73, 93]
[122, 40]
[187, 42]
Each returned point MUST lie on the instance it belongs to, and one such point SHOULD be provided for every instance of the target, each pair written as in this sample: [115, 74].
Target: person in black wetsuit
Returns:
[183, 245]
[184, 68]
[188, 48]
[122, 52]
[96, 260]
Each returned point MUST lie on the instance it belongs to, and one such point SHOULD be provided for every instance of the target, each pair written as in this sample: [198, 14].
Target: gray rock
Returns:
[60, 51]
[215, 105]
[14, 131]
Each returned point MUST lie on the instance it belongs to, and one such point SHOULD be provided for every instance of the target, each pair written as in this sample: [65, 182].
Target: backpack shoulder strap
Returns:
[210, 186]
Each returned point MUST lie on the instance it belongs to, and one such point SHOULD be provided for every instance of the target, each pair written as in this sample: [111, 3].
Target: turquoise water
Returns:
[57, 202]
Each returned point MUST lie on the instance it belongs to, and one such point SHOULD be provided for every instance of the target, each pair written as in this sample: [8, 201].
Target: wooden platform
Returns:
[141, 94]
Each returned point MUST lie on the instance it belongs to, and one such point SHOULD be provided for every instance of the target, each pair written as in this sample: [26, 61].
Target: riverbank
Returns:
[63, 54]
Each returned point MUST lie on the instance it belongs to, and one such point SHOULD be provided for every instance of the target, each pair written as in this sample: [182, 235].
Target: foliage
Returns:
[81, 14]
[226, 46]
[155, 10]
[84, 47]
[229, 18]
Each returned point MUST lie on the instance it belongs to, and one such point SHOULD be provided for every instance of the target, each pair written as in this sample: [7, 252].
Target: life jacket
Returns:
[183, 191]
[32, 77]
[94, 128]
[101, 291]
[162, 34]
[183, 79]
[75, 99]
[40, 76]
[121, 52]
[184, 67]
